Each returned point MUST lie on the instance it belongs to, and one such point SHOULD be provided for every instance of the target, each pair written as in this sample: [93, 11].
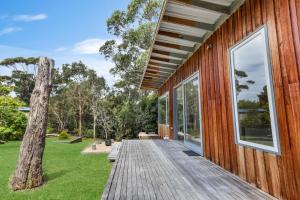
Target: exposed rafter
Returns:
[162, 63]
[182, 29]
[175, 40]
[184, 25]
[159, 71]
[159, 55]
[179, 56]
[181, 36]
[171, 61]
[170, 50]
[158, 66]
[210, 6]
[188, 22]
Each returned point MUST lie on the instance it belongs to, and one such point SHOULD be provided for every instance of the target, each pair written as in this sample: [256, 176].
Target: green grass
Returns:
[70, 175]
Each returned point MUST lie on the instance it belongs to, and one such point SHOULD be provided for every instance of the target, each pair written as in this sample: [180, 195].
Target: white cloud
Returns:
[88, 46]
[60, 49]
[29, 18]
[10, 30]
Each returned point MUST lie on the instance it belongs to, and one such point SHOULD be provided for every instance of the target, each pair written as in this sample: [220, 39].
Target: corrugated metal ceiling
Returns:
[183, 26]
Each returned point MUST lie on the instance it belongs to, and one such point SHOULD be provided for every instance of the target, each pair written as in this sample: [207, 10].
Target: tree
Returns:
[12, 121]
[23, 84]
[61, 110]
[29, 173]
[239, 75]
[96, 90]
[135, 27]
[76, 76]
[148, 113]
[23, 75]
[106, 119]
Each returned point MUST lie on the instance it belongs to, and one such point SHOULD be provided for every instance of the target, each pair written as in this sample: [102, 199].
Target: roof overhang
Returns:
[183, 26]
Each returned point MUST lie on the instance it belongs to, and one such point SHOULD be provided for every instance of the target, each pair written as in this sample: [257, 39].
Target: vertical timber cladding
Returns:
[278, 175]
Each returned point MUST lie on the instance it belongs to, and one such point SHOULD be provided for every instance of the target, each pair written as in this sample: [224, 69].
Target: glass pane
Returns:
[179, 113]
[167, 109]
[162, 110]
[251, 90]
[192, 111]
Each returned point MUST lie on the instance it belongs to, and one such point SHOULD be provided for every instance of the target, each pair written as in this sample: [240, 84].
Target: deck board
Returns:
[160, 170]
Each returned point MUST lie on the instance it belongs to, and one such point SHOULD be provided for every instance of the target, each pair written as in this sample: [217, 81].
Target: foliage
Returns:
[63, 165]
[132, 110]
[257, 112]
[12, 62]
[5, 90]
[147, 117]
[23, 84]
[239, 75]
[125, 121]
[80, 100]
[12, 121]
[72, 98]
[63, 135]
[88, 133]
[135, 27]
[23, 75]
[50, 130]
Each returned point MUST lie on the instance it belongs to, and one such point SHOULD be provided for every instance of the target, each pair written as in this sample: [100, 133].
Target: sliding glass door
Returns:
[187, 113]
[179, 115]
[192, 113]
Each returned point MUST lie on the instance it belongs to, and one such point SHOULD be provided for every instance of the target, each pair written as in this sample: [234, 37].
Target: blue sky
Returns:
[65, 30]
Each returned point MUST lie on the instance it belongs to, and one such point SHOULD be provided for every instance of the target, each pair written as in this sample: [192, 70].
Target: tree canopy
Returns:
[134, 28]
[81, 103]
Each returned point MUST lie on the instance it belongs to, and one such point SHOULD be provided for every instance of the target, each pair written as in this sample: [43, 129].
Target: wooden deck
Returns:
[157, 169]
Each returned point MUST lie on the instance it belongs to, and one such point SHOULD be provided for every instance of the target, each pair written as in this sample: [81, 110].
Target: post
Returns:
[29, 172]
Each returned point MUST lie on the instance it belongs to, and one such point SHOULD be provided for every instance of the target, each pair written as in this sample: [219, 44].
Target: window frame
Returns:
[271, 98]
[165, 95]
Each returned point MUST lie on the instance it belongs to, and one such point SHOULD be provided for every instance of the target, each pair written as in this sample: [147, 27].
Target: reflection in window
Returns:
[192, 111]
[179, 117]
[163, 109]
[252, 96]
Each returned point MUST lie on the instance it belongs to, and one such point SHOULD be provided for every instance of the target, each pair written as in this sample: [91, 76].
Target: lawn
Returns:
[70, 175]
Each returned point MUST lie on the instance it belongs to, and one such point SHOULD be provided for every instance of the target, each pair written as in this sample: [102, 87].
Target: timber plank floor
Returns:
[159, 169]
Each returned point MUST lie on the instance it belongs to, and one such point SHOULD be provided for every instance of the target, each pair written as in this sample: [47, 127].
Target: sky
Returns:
[64, 30]
[250, 57]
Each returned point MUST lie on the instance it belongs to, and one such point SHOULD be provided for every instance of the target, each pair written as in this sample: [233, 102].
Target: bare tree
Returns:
[97, 90]
[29, 172]
[105, 119]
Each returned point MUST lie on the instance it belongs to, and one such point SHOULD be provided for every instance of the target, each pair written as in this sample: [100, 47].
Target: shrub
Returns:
[15, 126]
[89, 133]
[63, 135]
[50, 130]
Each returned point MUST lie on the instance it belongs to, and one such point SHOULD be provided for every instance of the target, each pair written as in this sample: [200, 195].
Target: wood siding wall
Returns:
[277, 175]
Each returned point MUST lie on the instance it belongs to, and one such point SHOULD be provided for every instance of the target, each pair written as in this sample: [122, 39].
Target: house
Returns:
[24, 110]
[212, 60]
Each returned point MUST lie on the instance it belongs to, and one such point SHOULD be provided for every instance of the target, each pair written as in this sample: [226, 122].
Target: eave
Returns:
[183, 26]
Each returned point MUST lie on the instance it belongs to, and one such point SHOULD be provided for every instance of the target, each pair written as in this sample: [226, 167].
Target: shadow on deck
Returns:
[158, 169]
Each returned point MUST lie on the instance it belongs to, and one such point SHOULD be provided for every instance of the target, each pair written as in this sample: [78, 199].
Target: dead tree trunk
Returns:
[29, 172]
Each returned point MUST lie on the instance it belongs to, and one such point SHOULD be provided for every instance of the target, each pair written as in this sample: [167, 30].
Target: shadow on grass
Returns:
[52, 176]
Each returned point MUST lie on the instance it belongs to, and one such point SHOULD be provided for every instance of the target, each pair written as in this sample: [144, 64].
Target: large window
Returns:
[254, 110]
[163, 109]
